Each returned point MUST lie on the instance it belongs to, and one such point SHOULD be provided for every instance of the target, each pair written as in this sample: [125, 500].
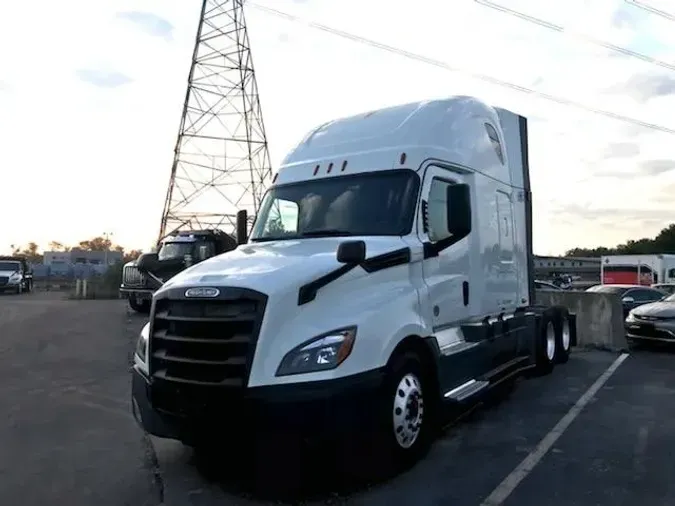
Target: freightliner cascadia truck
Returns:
[388, 276]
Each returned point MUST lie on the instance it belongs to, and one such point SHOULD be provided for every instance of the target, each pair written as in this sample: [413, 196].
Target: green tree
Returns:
[664, 242]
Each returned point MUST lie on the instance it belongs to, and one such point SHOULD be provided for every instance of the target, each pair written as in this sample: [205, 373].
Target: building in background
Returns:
[81, 257]
[582, 269]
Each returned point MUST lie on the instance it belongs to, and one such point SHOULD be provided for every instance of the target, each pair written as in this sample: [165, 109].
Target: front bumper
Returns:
[663, 331]
[322, 407]
[143, 292]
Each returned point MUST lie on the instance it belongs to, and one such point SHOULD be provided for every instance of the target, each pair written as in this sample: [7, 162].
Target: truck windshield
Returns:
[171, 250]
[376, 203]
[10, 266]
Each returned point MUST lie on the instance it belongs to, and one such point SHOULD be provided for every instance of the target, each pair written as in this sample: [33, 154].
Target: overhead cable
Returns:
[475, 75]
[586, 38]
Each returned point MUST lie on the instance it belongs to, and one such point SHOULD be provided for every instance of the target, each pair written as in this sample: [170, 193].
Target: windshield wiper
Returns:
[327, 232]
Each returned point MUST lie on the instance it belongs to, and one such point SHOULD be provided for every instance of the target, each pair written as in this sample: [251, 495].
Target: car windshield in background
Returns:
[10, 266]
[379, 203]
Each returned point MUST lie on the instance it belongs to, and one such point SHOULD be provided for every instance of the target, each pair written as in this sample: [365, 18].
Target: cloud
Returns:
[645, 86]
[103, 79]
[623, 19]
[656, 167]
[148, 22]
[622, 150]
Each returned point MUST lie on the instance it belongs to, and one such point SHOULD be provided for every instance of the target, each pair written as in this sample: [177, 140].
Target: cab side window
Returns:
[437, 210]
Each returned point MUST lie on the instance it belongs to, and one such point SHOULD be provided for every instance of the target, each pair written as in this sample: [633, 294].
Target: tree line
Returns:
[664, 242]
[34, 254]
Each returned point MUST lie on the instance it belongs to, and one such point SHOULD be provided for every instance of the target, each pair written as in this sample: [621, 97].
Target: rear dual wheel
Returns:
[553, 341]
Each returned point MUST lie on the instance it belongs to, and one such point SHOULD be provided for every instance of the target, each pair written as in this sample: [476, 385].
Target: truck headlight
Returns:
[321, 353]
[141, 353]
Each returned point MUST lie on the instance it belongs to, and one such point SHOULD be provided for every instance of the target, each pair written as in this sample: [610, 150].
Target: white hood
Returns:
[273, 266]
[8, 273]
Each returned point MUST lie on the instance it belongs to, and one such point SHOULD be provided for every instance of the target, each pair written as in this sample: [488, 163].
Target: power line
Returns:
[653, 10]
[475, 75]
[586, 38]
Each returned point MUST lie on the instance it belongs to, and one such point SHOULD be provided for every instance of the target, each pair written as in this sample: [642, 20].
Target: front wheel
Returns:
[406, 414]
[142, 307]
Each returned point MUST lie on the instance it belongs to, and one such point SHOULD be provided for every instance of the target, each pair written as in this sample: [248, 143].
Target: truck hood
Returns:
[7, 273]
[277, 265]
[660, 309]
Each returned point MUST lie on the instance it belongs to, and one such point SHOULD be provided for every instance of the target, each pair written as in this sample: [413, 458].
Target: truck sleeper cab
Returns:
[388, 280]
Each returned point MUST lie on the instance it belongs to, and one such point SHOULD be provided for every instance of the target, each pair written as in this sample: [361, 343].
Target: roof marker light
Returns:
[316, 169]
[330, 167]
[344, 166]
[403, 157]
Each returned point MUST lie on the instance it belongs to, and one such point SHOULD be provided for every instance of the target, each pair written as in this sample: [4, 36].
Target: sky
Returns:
[91, 95]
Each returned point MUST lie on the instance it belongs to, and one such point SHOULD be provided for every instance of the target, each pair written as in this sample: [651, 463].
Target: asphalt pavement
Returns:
[69, 438]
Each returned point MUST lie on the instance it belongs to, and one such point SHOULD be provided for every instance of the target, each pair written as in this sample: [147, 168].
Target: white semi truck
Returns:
[389, 274]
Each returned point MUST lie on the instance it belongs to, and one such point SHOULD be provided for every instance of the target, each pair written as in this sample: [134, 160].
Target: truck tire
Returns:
[404, 428]
[139, 307]
[546, 344]
[563, 337]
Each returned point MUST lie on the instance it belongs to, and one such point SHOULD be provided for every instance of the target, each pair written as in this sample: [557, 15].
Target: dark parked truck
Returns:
[388, 281]
[16, 275]
[176, 252]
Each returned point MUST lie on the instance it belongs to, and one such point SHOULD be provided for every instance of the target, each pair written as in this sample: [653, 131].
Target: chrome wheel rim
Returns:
[550, 341]
[408, 410]
[566, 334]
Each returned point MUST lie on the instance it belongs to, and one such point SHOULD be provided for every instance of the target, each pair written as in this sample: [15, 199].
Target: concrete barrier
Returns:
[599, 317]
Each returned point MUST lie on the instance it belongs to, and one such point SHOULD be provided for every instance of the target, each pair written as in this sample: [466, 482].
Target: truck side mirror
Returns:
[242, 226]
[459, 210]
[628, 300]
[146, 262]
[351, 252]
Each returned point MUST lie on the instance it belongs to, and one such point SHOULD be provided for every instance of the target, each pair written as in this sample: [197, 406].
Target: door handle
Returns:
[465, 292]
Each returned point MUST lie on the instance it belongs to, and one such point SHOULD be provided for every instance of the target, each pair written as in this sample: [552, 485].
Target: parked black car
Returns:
[665, 287]
[632, 296]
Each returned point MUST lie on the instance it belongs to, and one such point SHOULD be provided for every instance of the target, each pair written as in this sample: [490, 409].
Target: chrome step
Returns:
[466, 390]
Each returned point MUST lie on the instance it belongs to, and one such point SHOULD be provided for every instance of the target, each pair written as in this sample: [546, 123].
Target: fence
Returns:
[101, 279]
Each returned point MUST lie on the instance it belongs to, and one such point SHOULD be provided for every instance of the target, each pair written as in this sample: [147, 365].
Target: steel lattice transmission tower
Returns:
[221, 161]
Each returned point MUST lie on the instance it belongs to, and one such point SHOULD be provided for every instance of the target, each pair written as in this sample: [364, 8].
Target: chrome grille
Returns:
[132, 276]
[205, 343]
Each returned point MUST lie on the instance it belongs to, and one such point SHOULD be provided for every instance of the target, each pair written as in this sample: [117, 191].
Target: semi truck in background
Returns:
[388, 282]
[644, 270]
[176, 252]
[16, 275]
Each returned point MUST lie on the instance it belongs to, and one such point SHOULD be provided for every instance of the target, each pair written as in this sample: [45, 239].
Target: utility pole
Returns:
[221, 160]
[106, 236]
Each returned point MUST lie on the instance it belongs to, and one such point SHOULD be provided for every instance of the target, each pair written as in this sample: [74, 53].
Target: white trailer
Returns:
[389, 274]
[637, 269]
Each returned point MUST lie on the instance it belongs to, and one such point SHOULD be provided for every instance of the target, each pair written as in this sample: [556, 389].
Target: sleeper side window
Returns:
[494, 139]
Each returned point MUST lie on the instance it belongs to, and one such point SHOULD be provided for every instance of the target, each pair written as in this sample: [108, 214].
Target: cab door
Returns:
[446, 273]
